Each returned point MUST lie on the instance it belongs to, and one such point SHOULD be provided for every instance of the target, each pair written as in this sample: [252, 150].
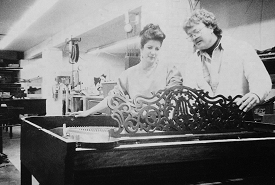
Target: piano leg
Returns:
[14, 120]
[1, 139]
[3, 122]
[26, 176]
[10, 134]
[6, 126]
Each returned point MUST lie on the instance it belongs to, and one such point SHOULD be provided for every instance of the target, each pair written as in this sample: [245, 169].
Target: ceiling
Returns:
[62, 15]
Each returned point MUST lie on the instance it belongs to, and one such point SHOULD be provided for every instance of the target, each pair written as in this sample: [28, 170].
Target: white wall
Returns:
[249, 20]
[92, 66]
[31, 68]
[96, 65]
[91, 21]
[169, 14]
[52, 65]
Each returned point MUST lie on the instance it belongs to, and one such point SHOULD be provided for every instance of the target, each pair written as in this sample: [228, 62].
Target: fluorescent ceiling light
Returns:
[33, 14]
[116, 45]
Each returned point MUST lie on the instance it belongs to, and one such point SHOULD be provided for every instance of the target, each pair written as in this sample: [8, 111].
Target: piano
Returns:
[15, 107]
[178, 136]
[28, 106]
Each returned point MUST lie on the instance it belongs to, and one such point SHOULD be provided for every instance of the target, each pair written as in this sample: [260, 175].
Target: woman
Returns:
[147, 77]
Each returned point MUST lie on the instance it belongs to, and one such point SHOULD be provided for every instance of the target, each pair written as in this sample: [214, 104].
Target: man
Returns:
[221, 65]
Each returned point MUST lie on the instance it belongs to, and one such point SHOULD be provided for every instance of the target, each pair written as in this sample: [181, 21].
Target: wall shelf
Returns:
[10, 68]
[10, 73]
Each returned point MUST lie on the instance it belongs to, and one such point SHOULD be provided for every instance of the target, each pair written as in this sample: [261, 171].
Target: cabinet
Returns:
[268, 59]
[107, 87]
[10, 74]
[91, 101]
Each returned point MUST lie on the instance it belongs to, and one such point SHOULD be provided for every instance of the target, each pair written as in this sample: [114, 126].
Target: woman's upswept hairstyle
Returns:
[151, 32]
[204, 16]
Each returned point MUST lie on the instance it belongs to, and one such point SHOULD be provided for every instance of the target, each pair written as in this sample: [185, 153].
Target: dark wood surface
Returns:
[210, 157]
[51, 162]
[29, 106]
[15, 107]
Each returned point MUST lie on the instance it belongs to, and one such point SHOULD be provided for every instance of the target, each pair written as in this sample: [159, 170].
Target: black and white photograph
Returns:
[160, 92]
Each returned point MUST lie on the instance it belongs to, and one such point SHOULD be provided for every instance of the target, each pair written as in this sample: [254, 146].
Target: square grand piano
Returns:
[178, 136]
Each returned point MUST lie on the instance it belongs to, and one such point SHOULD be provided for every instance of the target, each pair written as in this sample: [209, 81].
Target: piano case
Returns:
[178, 136]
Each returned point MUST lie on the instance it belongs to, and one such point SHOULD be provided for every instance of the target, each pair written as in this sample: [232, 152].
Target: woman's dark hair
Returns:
[151, 32]
[204, 16]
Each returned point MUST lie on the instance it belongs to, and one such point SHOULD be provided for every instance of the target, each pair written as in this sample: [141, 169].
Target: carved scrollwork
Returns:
[176, 109]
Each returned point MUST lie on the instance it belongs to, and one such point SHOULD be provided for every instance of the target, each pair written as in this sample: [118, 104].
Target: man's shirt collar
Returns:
[223, 44]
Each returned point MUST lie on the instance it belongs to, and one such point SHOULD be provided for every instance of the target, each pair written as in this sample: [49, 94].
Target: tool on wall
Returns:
[73, 49]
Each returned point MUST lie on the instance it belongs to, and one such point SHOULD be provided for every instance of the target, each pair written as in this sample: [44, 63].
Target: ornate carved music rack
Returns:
[176, 110]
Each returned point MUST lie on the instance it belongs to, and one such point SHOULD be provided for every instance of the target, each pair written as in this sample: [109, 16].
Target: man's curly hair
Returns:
[204, 16]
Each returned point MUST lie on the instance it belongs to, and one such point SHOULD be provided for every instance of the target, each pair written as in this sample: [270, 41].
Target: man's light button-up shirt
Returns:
[211, 67]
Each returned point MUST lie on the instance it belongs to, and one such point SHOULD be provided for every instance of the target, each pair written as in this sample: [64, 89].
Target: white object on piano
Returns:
[89, 134]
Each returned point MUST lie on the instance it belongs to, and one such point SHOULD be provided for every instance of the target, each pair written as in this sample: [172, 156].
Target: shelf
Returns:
[10, 72]
[9, 85]
[10, 68]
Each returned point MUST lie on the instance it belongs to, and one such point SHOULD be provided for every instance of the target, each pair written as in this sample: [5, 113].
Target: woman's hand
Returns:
[80, 114]
[248, 101]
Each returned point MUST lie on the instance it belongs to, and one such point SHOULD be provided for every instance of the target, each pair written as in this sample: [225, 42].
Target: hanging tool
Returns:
[73, 50]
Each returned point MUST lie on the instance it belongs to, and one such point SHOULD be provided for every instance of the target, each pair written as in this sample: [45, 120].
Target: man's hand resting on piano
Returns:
[248, 101]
